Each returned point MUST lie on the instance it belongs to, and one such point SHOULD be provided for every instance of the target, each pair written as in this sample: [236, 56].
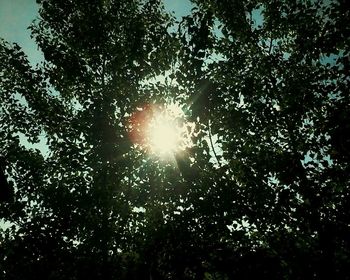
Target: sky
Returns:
[17, 15]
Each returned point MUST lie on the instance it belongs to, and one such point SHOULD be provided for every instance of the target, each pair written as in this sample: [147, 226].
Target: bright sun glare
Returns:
[164, 135]
[168, 132]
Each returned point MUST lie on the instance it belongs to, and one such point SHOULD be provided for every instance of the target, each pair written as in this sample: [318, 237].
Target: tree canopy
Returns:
[262, 190]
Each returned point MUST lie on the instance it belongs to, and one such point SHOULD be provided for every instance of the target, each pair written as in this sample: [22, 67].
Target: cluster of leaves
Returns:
[269, 197]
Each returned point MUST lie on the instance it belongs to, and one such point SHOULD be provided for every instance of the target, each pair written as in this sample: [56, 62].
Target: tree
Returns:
[72, 211]
[275, 93]
[263, 190]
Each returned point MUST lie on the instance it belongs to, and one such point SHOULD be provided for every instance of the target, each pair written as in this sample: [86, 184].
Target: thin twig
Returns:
[270, 48]
[212, 145]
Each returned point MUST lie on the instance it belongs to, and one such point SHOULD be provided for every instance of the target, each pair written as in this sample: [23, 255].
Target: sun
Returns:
[168, 131]
[164, 135]
[163, 130]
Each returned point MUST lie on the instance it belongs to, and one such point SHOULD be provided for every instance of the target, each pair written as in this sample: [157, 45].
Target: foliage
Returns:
[263, 192]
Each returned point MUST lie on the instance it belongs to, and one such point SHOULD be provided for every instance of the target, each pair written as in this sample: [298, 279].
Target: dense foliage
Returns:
[262, 192]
